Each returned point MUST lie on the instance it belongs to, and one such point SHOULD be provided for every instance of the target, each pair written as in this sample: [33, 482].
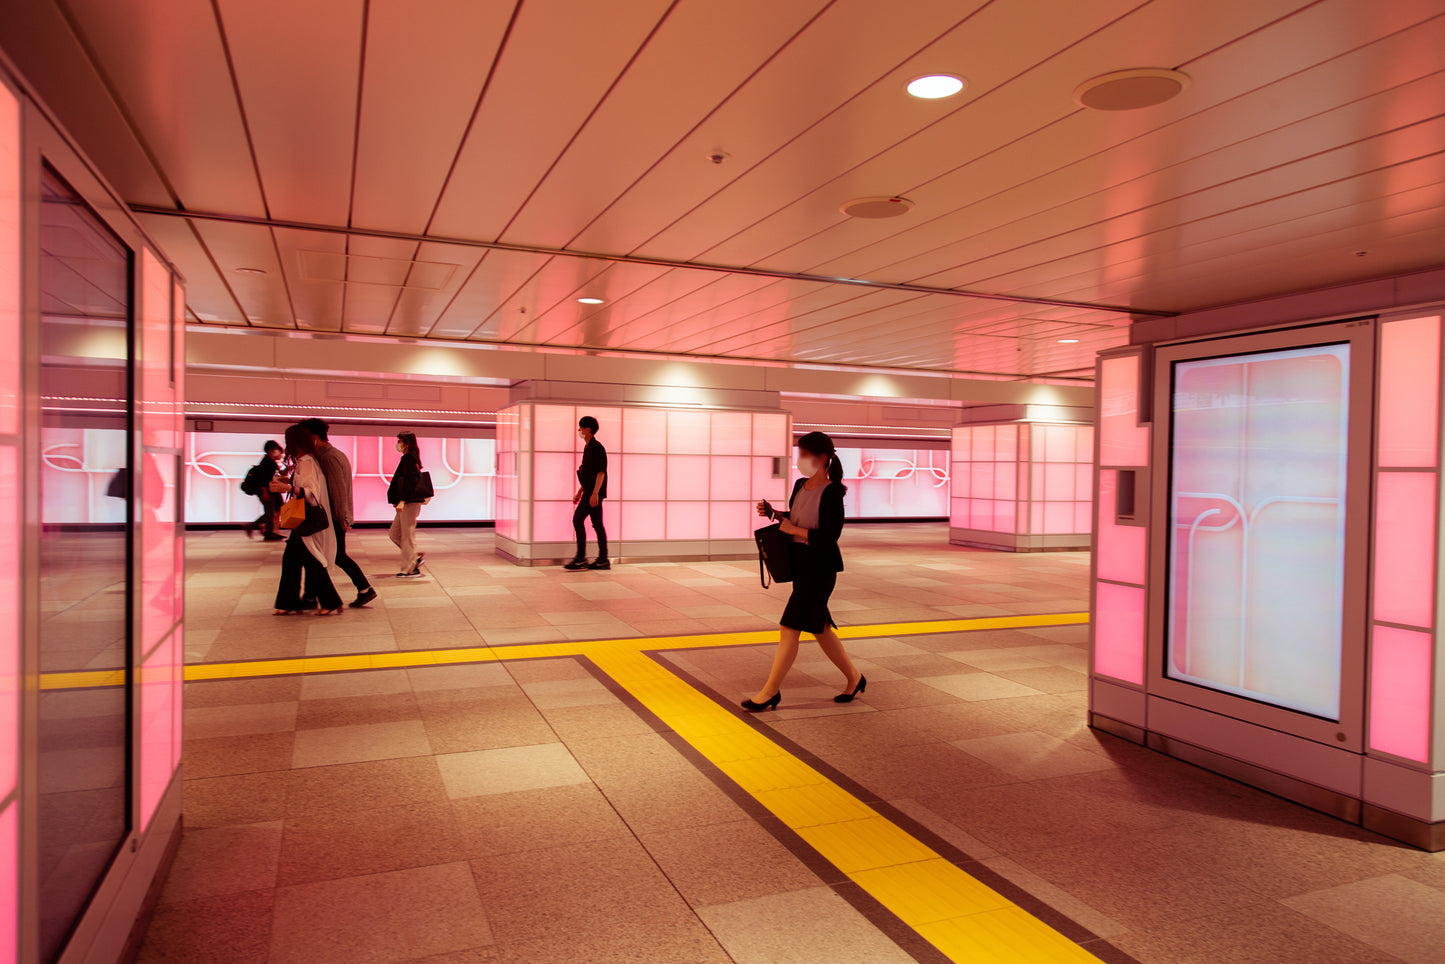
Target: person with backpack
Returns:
[258, 483]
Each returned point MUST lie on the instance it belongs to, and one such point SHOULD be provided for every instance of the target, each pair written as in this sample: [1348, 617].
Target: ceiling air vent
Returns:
[873, 208]
[368, 270]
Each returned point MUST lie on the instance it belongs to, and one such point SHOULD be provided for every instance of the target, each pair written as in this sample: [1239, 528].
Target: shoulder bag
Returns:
[774, 554]
[301, 517]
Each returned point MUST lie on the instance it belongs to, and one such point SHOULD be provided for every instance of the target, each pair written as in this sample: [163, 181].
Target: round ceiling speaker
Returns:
[1131, 89]
[874, 208]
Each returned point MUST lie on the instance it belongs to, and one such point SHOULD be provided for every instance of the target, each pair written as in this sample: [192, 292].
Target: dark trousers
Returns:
[270, 505]
[581, 515]
[345, 563]
[296, 560]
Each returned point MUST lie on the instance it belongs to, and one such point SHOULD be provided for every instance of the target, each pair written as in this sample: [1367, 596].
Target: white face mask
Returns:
[401, 447]
[807, 466]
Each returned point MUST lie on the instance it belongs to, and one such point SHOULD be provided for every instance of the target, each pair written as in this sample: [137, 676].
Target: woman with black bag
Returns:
[815, 521]
[407, 494]
[311, 551]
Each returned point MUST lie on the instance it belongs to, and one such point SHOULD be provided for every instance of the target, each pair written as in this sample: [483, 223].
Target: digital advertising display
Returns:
[893, 483]
[1256, 558]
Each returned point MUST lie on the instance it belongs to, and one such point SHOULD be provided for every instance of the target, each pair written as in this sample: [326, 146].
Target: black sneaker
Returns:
[577, 565]
[600, 564]
[362, 598]
[273, 538]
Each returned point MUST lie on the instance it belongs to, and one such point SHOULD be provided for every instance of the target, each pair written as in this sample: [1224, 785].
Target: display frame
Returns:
[1348, 732]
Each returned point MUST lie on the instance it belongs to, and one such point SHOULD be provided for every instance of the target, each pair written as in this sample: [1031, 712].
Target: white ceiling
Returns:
[1309, 149]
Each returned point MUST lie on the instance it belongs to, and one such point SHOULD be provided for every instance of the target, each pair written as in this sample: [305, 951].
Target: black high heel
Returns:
[848, 697]
[771, 704]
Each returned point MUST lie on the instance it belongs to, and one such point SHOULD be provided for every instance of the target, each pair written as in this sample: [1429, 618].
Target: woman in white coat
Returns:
[313, 554]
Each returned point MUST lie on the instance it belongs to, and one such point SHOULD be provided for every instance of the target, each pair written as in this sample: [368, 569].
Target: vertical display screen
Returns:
[1258, 457]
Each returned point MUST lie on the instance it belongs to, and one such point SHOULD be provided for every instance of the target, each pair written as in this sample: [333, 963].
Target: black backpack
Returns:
[251, 484]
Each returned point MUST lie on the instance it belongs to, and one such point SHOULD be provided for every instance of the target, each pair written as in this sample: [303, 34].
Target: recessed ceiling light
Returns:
[935, 86]
[1068, 341]
[590, 301]
[1131, 89]
[876, 207]
[251, 270]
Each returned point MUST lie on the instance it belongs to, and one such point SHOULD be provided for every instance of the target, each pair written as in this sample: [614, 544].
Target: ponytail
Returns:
[819, 444]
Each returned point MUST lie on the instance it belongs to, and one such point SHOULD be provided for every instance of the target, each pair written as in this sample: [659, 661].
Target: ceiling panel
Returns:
[495, 278]
[664, 94]
[263, 296]
[167, 64]
[316, 299]
[1221, 136]
[551, 74]
[207, 293]
[844, 51]
[298, 89]
[425, 67]
[419, 307]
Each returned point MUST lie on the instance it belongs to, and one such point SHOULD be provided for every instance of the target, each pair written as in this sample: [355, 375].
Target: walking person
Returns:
[591, 490]
[270, 501]
[337, 468]
[815, 521]
[401, 494]
[313, 554]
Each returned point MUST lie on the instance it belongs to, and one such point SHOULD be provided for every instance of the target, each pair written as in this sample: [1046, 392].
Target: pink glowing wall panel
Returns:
[158, 681]
[687, 477]
[556, 429]
[1405, 524]
[730, 478]
[732, 433]
[1257, 525]
[1409, 413]
[732, 520]
[645, 479]
[1119, 551]
[1400, 675]
[552, 521]
[689, 432]
[646, 521]
[463, 471]
[643, 430]
[1122, 440]
[556, 476]
[1119, 632]
[688, 520]
[1043, 471]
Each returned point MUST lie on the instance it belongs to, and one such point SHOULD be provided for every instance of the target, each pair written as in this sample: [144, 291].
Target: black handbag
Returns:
[775, 558]
[316, 518]
[421, 490]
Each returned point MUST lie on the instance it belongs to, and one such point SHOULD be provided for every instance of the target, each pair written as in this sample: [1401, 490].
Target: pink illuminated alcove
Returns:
[675, 477]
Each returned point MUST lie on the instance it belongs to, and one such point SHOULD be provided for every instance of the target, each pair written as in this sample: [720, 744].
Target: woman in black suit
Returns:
[815, 521]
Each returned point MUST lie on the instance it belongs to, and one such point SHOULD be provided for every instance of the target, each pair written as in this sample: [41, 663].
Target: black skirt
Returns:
[807, 609]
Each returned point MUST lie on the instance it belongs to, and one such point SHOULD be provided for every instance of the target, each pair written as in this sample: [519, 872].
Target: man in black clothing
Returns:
[270, 501]
[591, 490]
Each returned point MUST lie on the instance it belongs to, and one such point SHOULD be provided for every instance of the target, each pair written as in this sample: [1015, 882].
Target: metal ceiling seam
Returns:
[939, 120]
[1122, 144]
[783, 146]
[703, 120]
[221, 275]
[588, 119]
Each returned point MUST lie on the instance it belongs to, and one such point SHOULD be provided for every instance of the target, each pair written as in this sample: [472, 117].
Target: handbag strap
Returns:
[762, 570]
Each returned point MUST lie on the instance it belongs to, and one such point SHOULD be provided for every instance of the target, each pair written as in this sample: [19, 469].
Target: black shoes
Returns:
[362, 598]
[273, 538]
[600, 565]
[848, 697]
[415, 567]
[309, 602]
[771, 704]
[577, 565]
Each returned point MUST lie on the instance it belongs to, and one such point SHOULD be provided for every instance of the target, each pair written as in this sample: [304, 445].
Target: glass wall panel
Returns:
[84, 794]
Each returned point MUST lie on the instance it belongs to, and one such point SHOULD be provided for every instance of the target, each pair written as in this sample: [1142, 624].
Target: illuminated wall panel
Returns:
[464, 473]
[688, 476]
[892, 483]
[1406, 544]
[1022, 485]
[10, 295]
[1400, 674]
[1119, 549]
[1119, 632]
[1122, 440]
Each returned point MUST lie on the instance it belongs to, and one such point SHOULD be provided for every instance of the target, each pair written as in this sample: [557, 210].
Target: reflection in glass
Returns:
[85, 487]
[1257, 525]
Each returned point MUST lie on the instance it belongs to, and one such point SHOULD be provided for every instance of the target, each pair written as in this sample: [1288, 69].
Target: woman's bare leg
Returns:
[832, 647]
[783, 657]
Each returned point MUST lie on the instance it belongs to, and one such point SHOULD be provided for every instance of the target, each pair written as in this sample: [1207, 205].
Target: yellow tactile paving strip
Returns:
[959, 915]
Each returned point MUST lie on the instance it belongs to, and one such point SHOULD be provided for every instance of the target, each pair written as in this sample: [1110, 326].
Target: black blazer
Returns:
[404, 480]
[824, 539]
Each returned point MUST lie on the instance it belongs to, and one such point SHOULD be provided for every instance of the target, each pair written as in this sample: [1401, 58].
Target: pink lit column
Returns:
[1406, 548]
[10, 209]
[1023, 484]
[1118, 611]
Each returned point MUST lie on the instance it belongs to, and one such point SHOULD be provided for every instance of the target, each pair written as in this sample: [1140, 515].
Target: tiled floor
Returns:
[531, 811]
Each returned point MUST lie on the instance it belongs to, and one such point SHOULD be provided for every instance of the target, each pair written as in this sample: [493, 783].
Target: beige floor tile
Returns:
[978, 686]
[504, 823]
[455, 639]
[356, 710]
[202, 722]
[412, 781]
[554, 694]
[345, 645]
[379, 919]
[727, 862]
[1034, 755]
[275, 689]
[572, 723]
[472, 955]
[1268, 934]
[457, 726]
[372, 683]
[226, 755]
[230, 929]
[968, 845]
[458, 676]
[231, 800]
[329, 845]
[224, 860]
[1060, 900]
[358, 744]
[1413, 929]
[509, 769]
[810, 926]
